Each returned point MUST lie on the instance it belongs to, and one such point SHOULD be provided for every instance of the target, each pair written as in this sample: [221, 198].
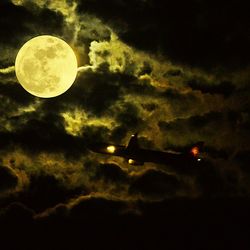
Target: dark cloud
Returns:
[242, 158]
[224, 88]
[174, 95]
[149, 106]
[89, 218]
[8, 178]
[202, 222]
[173, 73]
[175, 102]
[155, 184]
[16, 226]
[16, 94]
[44, 135]
[167, 224]
[217, 153]
[46, 191]
[138, 87]
[100, 91]
[98, 207]
[129, 116]
[91, 30]
[96, 134]
[43, 191]
[202, 127]
[16, 212]
[111, 173]
[145, 142]
[19, 24]
[212, 173]
[146, 69]
[118, 133]
[200, 33]
[10, 30]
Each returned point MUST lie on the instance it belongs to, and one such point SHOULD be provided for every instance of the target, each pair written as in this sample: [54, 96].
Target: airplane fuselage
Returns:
[137, 156]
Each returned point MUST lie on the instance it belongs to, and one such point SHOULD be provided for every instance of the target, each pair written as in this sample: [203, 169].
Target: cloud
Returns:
[15, 95]
[16, 212]
[8, 179]
[230, 132]
[193, 33]
[7, 70]
[43, 189]
[43, 135]
[224, 88]
[96, 206]
[42, 184]
[28, 22]
[242, 159]
[154, 184]
[111, 173]
[158, 225]
[83, 215]
[129, 116]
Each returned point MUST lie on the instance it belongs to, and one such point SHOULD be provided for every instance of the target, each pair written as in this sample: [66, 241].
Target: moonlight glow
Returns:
[46, 66]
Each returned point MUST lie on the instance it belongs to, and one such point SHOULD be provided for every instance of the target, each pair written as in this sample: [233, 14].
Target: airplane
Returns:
[137, 156]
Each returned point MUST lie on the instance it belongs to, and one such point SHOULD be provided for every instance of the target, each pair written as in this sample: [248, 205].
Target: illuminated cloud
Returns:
[7, 70]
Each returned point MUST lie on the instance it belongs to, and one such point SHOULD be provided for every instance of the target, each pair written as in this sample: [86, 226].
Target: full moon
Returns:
[46, 66]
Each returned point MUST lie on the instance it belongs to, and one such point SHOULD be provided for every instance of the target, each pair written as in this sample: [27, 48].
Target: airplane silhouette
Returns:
[138, 156]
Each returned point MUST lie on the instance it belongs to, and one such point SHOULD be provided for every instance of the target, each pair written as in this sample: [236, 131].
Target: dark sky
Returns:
[177, 72]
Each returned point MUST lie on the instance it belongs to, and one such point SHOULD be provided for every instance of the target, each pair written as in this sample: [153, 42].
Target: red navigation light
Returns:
[195, 151]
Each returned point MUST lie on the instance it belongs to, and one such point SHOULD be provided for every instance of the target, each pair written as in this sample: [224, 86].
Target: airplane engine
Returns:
[135, 163]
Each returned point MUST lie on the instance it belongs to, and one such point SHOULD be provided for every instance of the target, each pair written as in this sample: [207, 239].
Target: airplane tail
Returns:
[133, 143]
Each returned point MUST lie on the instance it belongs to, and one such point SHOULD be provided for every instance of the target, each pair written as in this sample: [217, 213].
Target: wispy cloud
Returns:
[7, 70]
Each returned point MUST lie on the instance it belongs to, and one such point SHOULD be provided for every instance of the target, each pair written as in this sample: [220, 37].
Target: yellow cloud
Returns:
[75, 121]
[7, 70]
[123, 58]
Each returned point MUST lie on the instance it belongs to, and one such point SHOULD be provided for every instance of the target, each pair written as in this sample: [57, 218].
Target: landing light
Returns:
[131, 161]
[199, 159]
[111, 149]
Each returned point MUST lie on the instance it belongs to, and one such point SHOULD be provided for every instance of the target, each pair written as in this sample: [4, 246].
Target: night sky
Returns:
[176, 72]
